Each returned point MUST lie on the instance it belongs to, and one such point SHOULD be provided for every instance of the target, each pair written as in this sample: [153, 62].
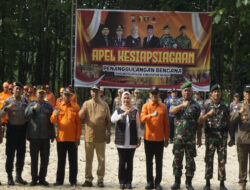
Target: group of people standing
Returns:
[179, 122]
[182, 41]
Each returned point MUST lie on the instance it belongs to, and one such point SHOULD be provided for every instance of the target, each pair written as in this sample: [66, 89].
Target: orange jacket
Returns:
[157, 127]
[32, 97]
[68, 122]
[74, 98]
[50, 97]
[58, 101]
[3, 97]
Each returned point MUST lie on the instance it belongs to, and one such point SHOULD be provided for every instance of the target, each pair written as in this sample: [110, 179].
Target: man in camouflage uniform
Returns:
[137, 101]
[187, 113]
[242, 117]
[198, 99]
[182, 41]
[118, 101]
[216, 116]
[166, 40]
[235, 107]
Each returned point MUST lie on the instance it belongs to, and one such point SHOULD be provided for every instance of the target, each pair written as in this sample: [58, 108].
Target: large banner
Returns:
[138, 49]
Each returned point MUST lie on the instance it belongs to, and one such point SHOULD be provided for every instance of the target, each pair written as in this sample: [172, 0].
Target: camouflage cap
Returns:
[95, 87]
[41, 89]
[215, 87]
[186, 85]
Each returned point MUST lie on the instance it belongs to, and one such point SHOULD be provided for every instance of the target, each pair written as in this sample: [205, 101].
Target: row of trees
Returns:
[35, 37]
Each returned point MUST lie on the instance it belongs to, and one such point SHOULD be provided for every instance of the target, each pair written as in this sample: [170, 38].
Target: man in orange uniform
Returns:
[68, 137]
[3, 96]
[59, 100]
[50, 97]
[74, 97]
[155, 116]
[32, 96]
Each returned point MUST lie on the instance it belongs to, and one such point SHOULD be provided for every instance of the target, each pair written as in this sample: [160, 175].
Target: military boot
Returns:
[222, 186]
[19, 179]
[207, 186]
[242, 187]
[177, 184]
[189, 183]
[10, 179]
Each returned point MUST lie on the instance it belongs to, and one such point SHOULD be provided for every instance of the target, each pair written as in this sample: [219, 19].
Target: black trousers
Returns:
[234, 129]
[15, 143]
[154, 148]
[171, 125]
[41, 146]
[62, 149]
[126, 157]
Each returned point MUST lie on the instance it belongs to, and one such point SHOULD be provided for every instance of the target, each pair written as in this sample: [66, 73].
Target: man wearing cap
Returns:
[14, 107]
[216, 116]
[198, 99]
[26, 92]
[60, 99]
[32, 96]
[182, 41]
[118, 101]
[151, 41]
[97, 131]
[102, 96]
[119, 41]
[39, 132]
[49, 96]
[170, 102]
[154, 115]
[235, 107]
[68, 137]
[187, 113]
[166, 40]
[137, 101]
[104, 39]
[242, 117]
[5, 94]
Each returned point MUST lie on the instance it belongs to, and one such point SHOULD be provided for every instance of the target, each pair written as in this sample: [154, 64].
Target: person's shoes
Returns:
[20, 180]
[189, 183]
[149, 186]
[158, 187]
[122, 186]
[177, 184]
[87, 184]
[10, 181]
[222, 186]
[128, 186]
[73, 184]
[33, 183]
[242, 187]
[57, 183]
[100, 184]
[207, 187]
[43, 183]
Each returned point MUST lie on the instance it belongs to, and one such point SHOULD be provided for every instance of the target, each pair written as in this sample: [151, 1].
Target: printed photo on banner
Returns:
[142, 48]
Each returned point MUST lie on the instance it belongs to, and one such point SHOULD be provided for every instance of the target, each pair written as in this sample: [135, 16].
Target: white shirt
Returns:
[116, 117]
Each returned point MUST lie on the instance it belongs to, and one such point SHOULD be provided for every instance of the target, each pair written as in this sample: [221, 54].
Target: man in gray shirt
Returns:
[39, 132]
[14, 107]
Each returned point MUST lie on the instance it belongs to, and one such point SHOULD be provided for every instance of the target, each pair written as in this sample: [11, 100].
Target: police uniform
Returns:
[15, 136]
[185, 139]
[243, 140]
